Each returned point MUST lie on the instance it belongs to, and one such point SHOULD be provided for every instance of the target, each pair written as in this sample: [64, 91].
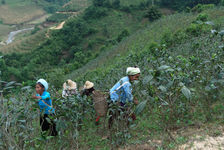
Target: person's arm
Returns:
[46, 96]
[128, 92]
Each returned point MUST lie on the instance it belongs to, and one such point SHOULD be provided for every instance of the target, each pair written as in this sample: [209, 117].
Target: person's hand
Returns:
[36, 97]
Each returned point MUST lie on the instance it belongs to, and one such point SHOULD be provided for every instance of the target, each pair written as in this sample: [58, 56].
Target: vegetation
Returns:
[181, 60]
[153, 14]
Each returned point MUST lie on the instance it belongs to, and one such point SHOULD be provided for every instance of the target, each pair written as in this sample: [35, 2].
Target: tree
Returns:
[98, 3]
[3, 2]
[116, 4]
[153, 14]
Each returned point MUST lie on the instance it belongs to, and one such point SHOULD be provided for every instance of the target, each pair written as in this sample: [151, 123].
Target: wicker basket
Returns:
[100, 103]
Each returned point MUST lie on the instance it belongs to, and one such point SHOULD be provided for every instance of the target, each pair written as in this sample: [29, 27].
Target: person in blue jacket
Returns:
[46, 108]
[121, 92]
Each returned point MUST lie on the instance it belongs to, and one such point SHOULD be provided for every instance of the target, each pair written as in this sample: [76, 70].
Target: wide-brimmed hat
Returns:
[44, 83]
[69, 85]
[88, 85]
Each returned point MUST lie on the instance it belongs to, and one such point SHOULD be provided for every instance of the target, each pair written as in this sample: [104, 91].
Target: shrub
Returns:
[200, 7]
[153, 14]
[57, 17]
[95, 13]
[202, 17]
[122, 35]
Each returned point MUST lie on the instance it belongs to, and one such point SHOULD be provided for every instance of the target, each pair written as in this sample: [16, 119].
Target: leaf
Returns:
[164, 67]
[147, 79]
[26, 88]
[10, 83]
[140, 107]
[162, 88]
[23, 121]
[186, 92]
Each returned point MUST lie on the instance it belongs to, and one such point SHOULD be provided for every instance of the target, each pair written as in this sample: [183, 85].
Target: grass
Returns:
[110, 63]
[4, 30]
[40, 20]
[25, 42]
[19, 11]
[110, 66]
[143, 37]
[131, 2]
[76, 5]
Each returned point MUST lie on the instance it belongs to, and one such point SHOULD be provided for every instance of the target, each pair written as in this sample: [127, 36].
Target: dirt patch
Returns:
[207, 142]
[213, 140]
[60, 26]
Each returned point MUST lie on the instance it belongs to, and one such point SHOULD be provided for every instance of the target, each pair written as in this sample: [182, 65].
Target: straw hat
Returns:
[88, 85]
[69, 85]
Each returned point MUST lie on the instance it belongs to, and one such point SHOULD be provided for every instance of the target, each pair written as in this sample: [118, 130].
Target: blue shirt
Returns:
[44, 105]
[122, 91]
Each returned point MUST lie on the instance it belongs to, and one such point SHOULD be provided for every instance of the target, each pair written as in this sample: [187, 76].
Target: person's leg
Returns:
[52, 126]
[53, 129]
[44, 123]
[111, 119]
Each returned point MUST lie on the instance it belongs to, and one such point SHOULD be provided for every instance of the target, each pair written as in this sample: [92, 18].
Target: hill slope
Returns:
[181, 84]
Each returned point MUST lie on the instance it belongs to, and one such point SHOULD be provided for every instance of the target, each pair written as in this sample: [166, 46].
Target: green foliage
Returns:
[51, 6]
[3, 2]
[153, 14]
[122, 35]
[199, 26]
[197, 5]
[199, 8]
[95, 13]
[57, 17]
[202, 17]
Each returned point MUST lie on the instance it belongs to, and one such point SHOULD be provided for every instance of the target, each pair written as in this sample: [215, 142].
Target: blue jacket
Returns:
[45, 106]
[122, 91]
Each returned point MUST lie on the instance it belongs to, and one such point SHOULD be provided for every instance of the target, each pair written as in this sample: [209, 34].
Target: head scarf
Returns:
[44, 83]
[132, 71]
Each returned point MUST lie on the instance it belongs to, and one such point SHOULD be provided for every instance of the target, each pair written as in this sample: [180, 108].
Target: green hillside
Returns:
[181, 57]
[86, 33]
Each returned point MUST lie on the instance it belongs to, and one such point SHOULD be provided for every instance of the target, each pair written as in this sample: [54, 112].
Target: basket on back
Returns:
[100, 103]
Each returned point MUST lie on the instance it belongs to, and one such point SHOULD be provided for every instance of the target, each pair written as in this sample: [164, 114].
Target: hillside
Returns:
[88, 32]
[181, 57]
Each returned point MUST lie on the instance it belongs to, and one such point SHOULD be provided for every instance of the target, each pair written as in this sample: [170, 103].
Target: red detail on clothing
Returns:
[98, 118]
[133, 116]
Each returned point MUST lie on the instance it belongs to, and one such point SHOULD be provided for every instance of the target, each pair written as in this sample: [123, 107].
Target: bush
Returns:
[122, 35]
[95, 13]
[197, 29]
[153, 14]
[57, 17]
[202, 17]
[200, 7]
